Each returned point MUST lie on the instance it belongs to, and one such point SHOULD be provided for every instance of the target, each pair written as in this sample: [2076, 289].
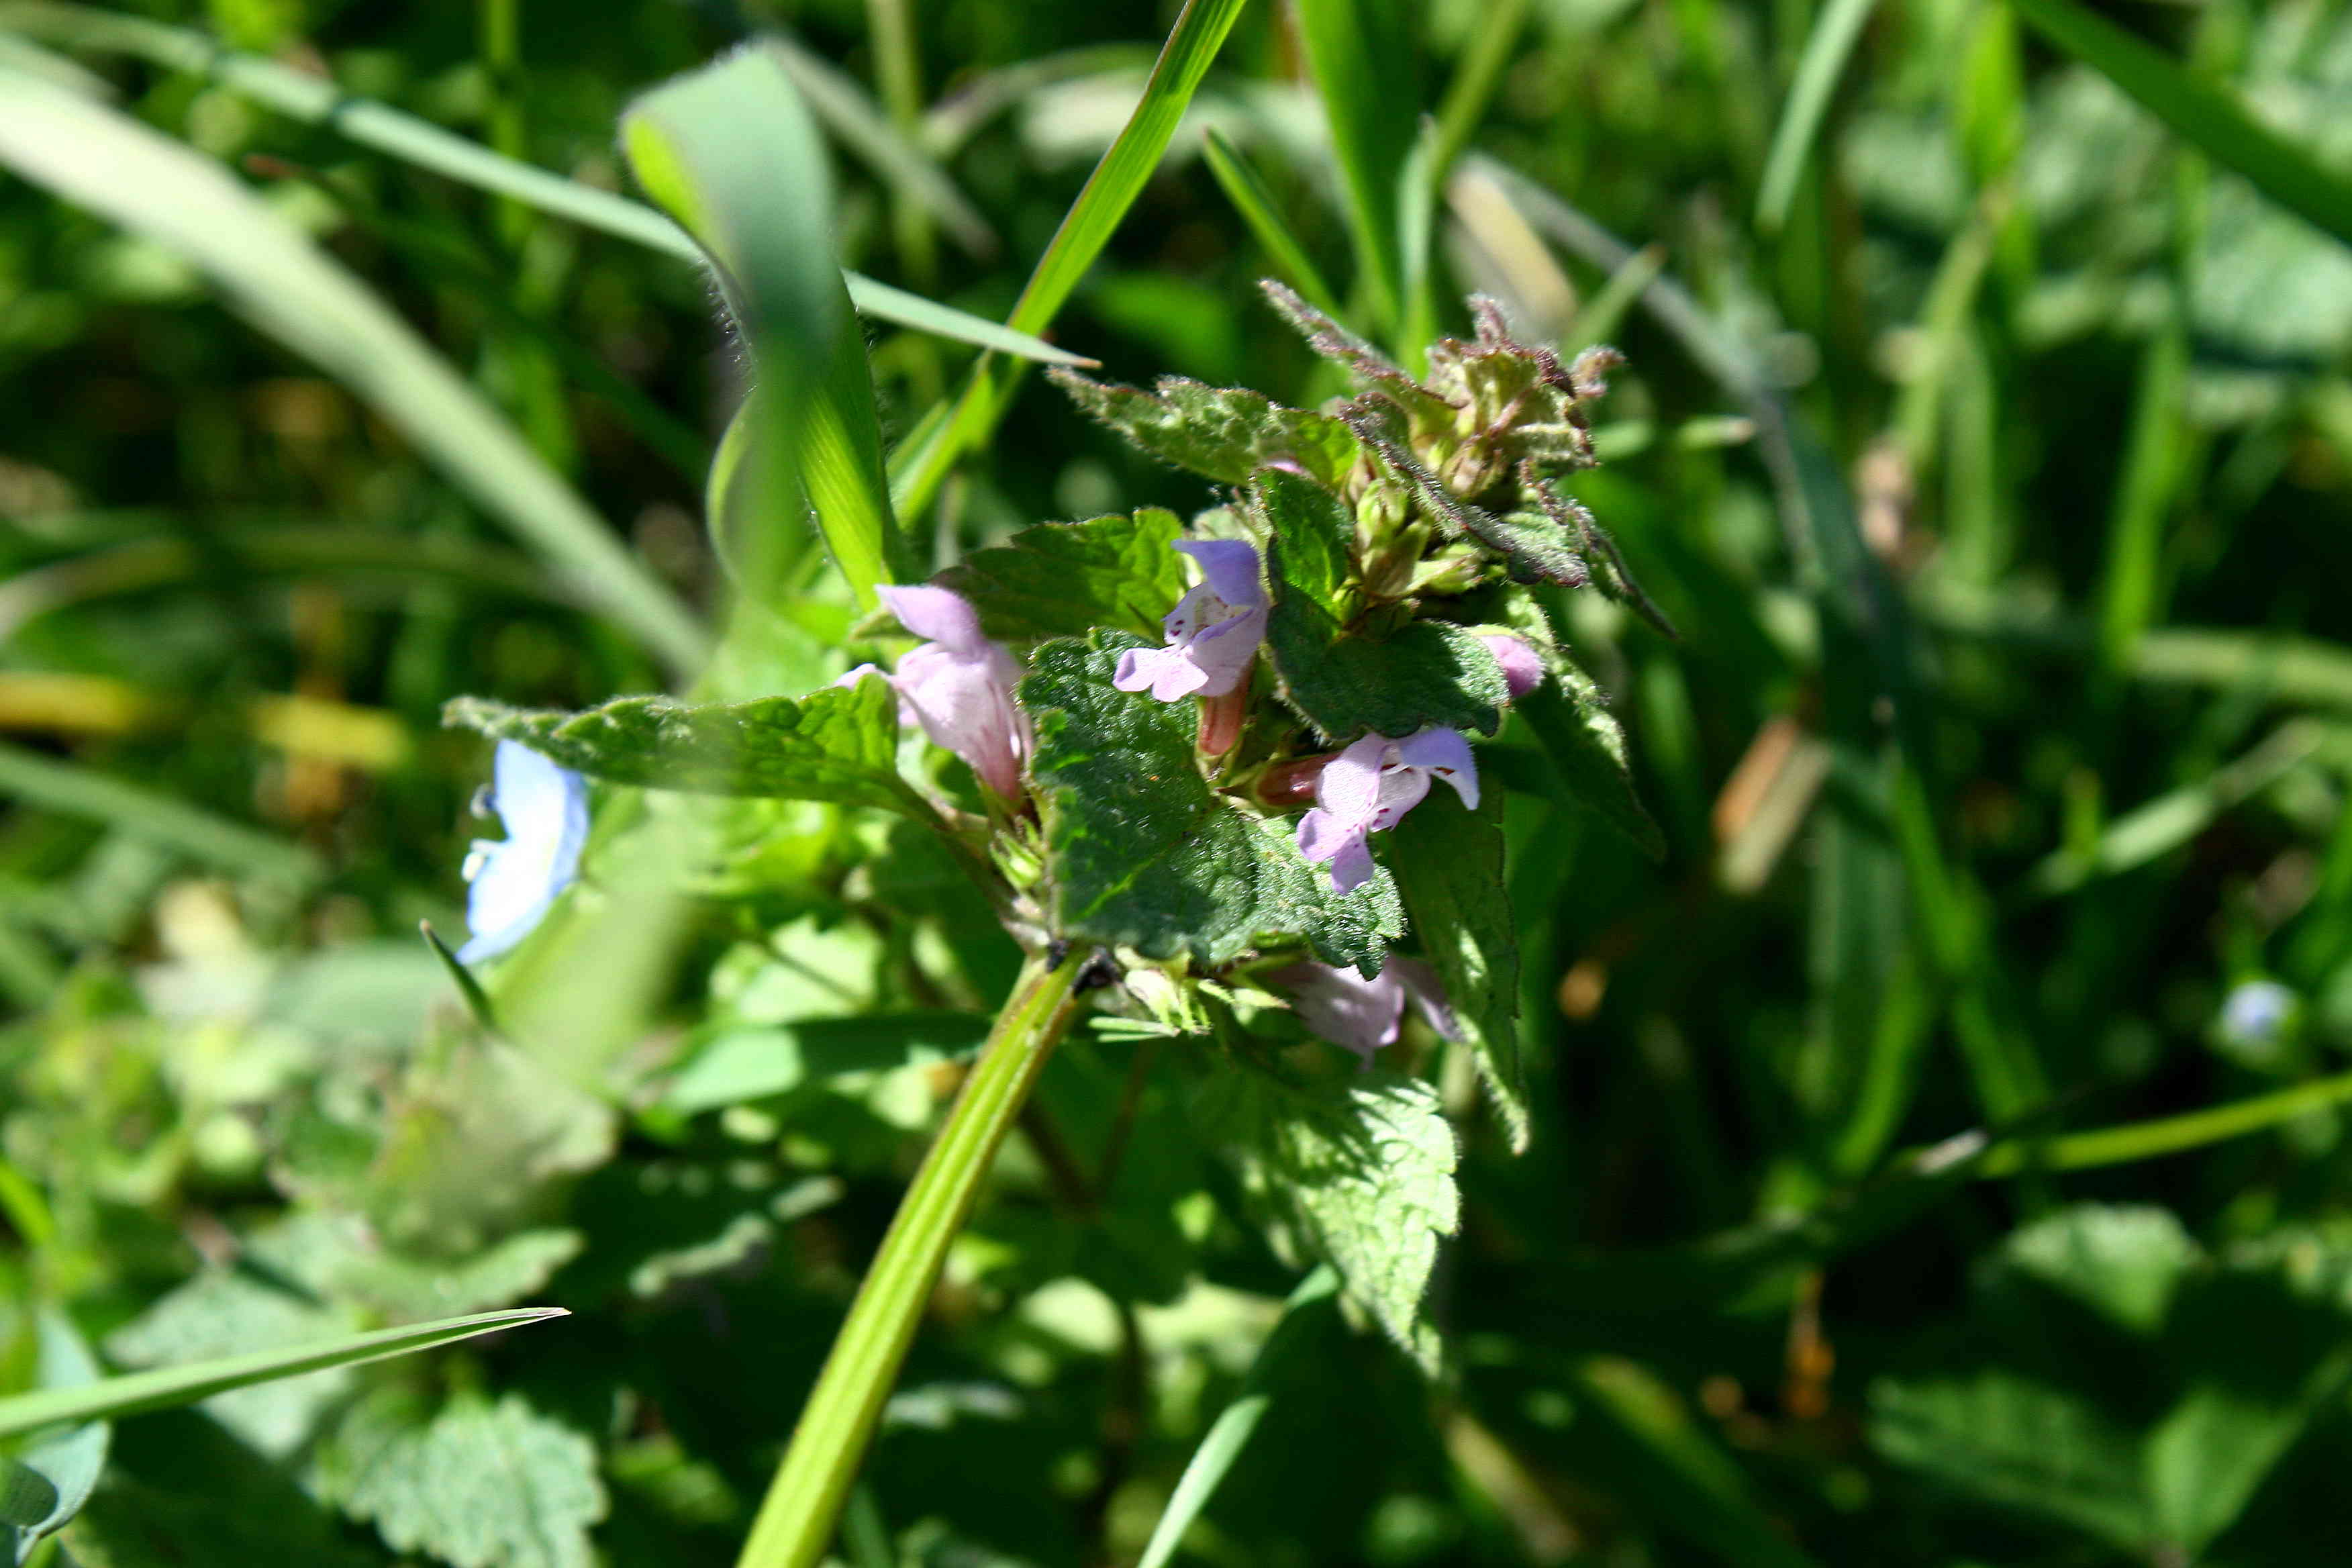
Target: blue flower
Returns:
[544, 809]
[2258, 1012]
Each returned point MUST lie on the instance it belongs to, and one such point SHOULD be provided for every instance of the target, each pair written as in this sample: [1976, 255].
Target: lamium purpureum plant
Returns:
[1207, 805]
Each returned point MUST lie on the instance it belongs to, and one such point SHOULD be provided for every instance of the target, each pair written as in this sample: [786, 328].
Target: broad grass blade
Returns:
[404, 136]
[1359, 52]
[2206, 116]
[733, 152]
[98, 158]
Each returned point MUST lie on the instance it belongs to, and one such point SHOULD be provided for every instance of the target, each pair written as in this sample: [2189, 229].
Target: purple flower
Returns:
[1363, 1015]
[960, 686]
[1366, 788]
[1213, 633]
[1523, 668]
[515, 881]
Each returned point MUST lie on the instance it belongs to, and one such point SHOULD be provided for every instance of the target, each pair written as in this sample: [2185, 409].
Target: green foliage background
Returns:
[1896, 1193]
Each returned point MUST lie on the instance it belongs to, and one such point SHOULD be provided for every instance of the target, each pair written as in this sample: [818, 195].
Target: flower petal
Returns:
[515, 881]
[941, 614]
[1223, 652]
[1229, 567]
[1344, 1007]
[965, 705]
[1350, 785]
[1523, 668]
[1168, 673]
[1420, 983]
[1445, 753]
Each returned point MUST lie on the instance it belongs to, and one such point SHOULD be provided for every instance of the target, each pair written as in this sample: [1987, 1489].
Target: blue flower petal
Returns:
[515, 881]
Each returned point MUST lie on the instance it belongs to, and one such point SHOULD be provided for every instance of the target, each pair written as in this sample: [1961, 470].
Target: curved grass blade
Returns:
[1230, 1434]
[418, 141]
[859, 124]
[98, 158]
[169, 1385]
[1256, 204]
[733, 152]
[1835, 31]
[2208, 118]
[917, 470]
[72, 790]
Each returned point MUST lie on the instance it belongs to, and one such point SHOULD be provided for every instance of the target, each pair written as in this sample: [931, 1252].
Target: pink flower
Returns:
[1523, 668]
[960, 686]
[1363, 1015]
[1367, 788]
[1213, 633]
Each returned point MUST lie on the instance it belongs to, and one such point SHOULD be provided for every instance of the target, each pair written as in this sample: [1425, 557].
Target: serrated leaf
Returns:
[1344, 683]
[1142, 852]
[1064, 579]
[1225, 433]
[1449, 867]
[839, 745]
[1587, 746]
[479, 1486]
[2011, 1440]
[1360, 1176]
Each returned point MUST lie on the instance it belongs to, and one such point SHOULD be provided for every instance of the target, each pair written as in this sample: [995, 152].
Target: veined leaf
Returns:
[1064, 579]
[839, 743]
[478, 1485]
[1362, 1176]
[1226, 433]
[170, 1385]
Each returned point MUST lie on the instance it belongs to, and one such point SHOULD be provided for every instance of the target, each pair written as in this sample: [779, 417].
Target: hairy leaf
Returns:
[479, 1486]
[839, 743]
[1449, 866]
[1064, 579]
[1587, 745]
[1142, 852]
[1223, 432]
[1362, 1176]
[1344, 682]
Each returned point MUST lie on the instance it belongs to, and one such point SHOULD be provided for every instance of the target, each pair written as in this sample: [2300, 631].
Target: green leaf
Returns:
[2123, 1262]
[1587, 747]
[1064, 579]
[479, 1486]
[1142, 852]
[305, 95]
[411, 1288]
[1360, 1175]
[2208, 118]
[1226, 433]
[1836, 28]
[171, 1385]
[839, 743]
[1449, 866]
[268, 270]
[1343, 682]
[2000, 1435]
[226, 1312]
[743, 1063]
[48, 1482]
[731, 151]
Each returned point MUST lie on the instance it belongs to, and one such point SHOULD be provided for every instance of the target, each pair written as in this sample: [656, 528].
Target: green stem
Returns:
[796, 1521]
[2166, 1134]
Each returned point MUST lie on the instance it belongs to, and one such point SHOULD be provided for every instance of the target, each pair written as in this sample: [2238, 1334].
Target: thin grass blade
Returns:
[154, 816]
[1258, 209]
[1359, 52]
[1836, 30]
[169, 1385]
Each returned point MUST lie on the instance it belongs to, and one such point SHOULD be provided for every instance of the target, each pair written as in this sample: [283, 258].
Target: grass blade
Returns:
[1230, 1432]
[1835, 31]
[733, 152]
[1256, 204]
[169, 1385]
[72, 790]
[418, 141]
[2206, 116]
[98, 158]
[1358, 52]
[858, 123]
[920, 468]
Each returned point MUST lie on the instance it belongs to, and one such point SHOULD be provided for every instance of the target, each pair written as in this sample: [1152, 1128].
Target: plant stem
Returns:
[796, 1521]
